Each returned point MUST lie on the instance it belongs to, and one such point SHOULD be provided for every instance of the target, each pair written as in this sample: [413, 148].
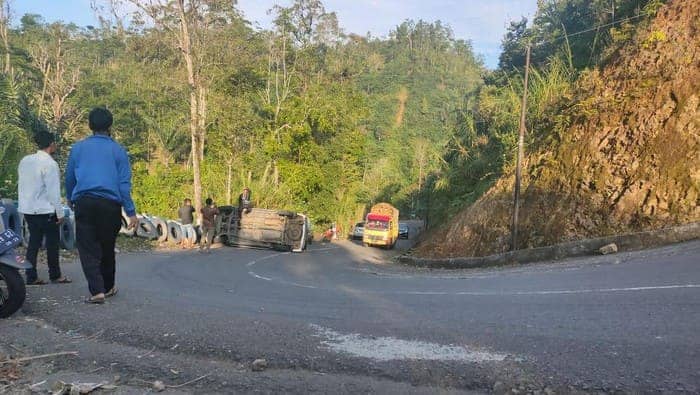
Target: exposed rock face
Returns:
[629, 161]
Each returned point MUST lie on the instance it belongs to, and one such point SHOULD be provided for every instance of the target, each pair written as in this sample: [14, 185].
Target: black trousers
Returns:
[97, 224]
[42, 226]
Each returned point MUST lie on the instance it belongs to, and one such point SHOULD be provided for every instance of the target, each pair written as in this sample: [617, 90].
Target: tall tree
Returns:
[190, 24]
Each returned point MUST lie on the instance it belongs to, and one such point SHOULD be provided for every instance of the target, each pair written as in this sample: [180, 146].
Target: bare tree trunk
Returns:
[4, 23]
[229, 163]
[196, 92]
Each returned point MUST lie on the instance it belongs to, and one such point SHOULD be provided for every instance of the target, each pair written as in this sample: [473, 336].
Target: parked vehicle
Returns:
[358, 231]
[381, 226]
[403, 230]
[12, 290]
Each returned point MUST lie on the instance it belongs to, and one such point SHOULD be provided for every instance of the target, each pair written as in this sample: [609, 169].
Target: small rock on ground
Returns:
[608, 249]
[259, 365]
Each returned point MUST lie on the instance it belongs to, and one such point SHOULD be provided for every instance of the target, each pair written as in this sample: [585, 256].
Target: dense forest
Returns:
[311, 118]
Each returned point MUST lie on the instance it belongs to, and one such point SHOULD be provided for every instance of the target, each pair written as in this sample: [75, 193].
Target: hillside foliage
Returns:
[310, 118]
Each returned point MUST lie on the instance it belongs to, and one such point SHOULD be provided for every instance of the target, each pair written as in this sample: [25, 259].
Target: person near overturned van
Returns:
[186, 215]
[244, 201]
[39, 190]
[209, 214]
[98, 185]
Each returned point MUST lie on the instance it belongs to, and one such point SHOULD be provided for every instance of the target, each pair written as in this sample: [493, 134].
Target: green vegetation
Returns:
[310, 118]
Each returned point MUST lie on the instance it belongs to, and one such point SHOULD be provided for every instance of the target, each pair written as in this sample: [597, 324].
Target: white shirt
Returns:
[39, 186]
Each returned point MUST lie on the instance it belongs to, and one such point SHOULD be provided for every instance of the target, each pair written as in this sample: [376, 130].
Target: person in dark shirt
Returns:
[98, 185]
[186, 214]
[209, 214]
[244, 202]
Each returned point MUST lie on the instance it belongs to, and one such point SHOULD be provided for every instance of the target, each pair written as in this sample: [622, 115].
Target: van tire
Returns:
[287, 213]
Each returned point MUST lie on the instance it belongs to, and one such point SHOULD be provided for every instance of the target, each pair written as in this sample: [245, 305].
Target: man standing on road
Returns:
[39, 190]
[98, 184]
[186, 214]
[209, 214]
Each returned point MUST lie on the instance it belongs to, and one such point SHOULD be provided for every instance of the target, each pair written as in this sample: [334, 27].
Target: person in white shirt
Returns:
[39, 191]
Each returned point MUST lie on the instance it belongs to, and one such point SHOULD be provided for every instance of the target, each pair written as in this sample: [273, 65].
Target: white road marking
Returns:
[470, 293]
[253, 262]
[260, 277]
[554, 292]
[390, 348]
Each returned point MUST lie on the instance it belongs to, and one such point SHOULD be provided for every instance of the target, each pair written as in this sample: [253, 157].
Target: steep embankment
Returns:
[628, 161]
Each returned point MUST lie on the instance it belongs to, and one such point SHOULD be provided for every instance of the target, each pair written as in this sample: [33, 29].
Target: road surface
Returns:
[342, 318]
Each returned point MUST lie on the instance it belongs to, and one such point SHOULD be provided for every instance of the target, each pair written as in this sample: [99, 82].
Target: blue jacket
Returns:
[98, 166]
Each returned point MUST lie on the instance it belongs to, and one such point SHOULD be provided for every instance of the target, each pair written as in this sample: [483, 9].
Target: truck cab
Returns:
[381, 226]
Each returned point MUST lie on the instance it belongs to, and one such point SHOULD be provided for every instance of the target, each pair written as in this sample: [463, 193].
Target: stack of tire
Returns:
[13, 219]
[150, 227]
[156, 228]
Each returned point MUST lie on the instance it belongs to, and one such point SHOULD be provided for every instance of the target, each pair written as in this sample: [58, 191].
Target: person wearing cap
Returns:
[98, 185]
[39, 193]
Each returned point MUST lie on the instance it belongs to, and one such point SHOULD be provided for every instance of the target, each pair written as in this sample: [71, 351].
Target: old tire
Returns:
[67, 233]
[175, 232]
[146, 229]
[12, 292]
[11, 218]
[25, 232]
[161, 228]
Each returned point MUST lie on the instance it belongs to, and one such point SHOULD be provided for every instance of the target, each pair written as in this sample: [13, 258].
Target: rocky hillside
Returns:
[629, 159]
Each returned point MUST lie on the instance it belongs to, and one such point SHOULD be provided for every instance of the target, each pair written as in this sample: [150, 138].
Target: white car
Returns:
[358, 231]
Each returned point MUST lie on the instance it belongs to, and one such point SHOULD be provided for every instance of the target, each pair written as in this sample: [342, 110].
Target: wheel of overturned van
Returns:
[287, 213]
[281, 247]
[293, 233]
[12, 291]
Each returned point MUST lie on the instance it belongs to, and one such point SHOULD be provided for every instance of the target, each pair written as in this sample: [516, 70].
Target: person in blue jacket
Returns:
[98, 185]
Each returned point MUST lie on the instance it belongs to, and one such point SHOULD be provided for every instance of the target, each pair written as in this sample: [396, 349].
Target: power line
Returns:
[590, 30]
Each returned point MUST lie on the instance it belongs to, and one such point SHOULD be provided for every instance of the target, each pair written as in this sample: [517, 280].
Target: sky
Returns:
[483, 22]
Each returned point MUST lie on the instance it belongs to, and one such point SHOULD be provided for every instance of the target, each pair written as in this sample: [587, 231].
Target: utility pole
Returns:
[521, 141]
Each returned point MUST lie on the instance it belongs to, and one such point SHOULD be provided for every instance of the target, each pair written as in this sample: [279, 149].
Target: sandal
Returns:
[96, 299]
[62, 280]
[111, 292]
[38, 281]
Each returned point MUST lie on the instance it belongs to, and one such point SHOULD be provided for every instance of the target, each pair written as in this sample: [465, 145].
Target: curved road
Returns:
[341, 318]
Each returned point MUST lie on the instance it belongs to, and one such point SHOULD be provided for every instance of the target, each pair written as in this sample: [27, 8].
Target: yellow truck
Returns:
[381, 226]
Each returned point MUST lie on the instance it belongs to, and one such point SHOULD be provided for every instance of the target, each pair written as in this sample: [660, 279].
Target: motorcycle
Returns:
[12, 289]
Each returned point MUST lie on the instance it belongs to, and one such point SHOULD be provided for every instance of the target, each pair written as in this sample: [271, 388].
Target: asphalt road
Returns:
[342, 318]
